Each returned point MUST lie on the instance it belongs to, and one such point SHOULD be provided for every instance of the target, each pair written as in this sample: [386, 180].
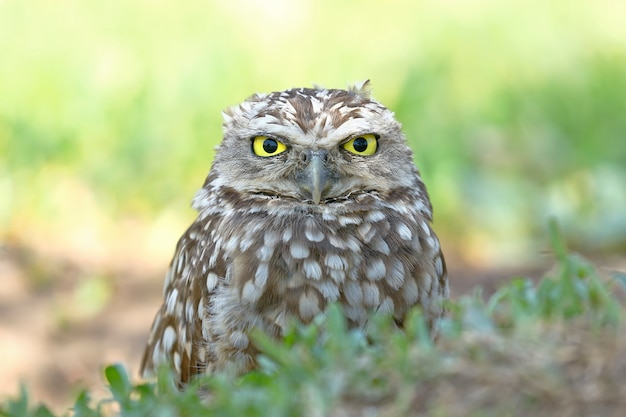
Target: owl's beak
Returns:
[315, 177]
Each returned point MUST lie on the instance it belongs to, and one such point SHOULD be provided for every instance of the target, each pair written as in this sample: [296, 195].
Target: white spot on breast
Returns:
[346, 220]
[371, 294]
[287, 233]
[404, 231]
[433, 242]
[382, 247]
[213, 259]
[250, 293]
[186, 271]
[201, 352]
[337, 275]
[264, 253]
[425, 228]
[329, 290]
[353, 293]
[375, 269]
[386, 307]
[298, 250]
[270, 238]
[328, 216]
[211, 281]
[158, 357]
[277, 317]
[200, 311]
[312, 269]
[438, 266]
[190, 309]
[177, 362]
[353, 244]
[246, 242]
[355, 313]
[395, 276]
[355, 273]
[312, 231]
[206, 329]
[258, 227]
[337, 242]
[172, 299]
[228, 276]
[239, 340]
[375, 216]
[231, 244]
[427, 282]
[366, 232]
[308, 305]
[261, 275]
[334, 261]
[168, 339]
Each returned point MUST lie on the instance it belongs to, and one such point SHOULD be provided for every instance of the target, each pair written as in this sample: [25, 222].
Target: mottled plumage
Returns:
[313, 198]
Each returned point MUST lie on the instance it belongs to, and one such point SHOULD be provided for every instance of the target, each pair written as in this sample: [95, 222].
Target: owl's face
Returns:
[313, 147]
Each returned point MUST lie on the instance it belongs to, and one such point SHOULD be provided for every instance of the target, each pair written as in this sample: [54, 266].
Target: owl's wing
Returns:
[176, 339]
[427, 284]
[431, 275]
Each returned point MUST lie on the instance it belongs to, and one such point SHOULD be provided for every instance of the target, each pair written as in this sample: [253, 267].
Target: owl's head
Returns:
[313, 146]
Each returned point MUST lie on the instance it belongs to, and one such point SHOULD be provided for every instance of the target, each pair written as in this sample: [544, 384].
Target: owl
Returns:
[313, 198]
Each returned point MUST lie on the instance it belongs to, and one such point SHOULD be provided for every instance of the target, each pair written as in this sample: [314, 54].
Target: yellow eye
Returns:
[364, 145]
[265, 146]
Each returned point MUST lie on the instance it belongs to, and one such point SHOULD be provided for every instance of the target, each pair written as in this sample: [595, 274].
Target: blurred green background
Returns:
[110, 111]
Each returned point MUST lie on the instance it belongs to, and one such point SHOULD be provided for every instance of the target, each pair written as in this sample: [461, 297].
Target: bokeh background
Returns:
[110, 112]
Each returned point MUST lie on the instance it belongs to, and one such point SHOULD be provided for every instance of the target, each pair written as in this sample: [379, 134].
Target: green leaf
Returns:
[556, 240]
[119, 383]
[81, 406]
[42, 411]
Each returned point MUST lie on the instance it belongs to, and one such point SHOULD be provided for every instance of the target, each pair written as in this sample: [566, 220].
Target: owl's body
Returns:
[312, 199]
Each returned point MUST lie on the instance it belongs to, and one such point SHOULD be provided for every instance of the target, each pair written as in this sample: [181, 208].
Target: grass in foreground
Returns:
[549, 348]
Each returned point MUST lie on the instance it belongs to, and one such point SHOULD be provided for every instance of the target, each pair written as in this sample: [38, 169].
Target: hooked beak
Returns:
[315, 178]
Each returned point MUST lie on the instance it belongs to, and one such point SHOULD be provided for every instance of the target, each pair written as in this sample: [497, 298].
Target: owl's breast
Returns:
[293, 266]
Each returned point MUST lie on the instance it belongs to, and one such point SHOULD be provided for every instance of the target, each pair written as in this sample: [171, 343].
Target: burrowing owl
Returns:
[313, 198]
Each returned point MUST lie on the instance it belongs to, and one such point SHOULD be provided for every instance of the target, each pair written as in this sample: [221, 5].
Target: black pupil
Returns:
[270, 145]
[360, 144]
